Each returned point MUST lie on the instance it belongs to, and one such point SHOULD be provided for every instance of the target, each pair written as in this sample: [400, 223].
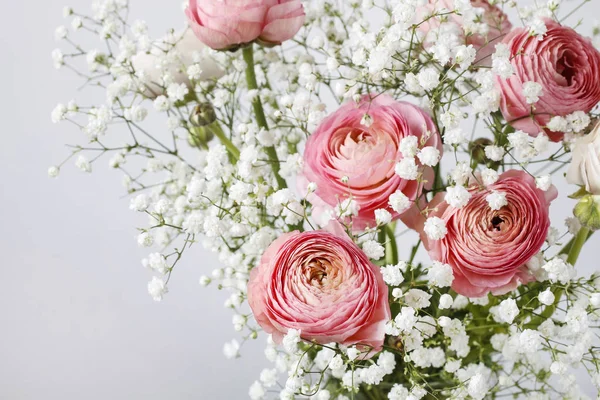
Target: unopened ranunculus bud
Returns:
[587, 211]
[203, 114]
[477, 150]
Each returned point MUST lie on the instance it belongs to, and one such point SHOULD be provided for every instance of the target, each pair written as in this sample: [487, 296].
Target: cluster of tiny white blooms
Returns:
[201, 167]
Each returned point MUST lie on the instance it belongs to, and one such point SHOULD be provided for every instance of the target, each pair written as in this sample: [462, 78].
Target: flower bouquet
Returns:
[376, 177]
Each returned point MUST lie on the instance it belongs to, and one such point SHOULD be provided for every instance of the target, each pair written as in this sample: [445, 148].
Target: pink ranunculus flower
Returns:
[323, 285]
[227, 24]
[492, 16]
[343, 146]
[566, 65]
[488, 249]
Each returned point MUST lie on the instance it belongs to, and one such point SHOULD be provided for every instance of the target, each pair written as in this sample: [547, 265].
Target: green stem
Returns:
[575, 249]
[391, 254]
[259, 112]
[215, 128]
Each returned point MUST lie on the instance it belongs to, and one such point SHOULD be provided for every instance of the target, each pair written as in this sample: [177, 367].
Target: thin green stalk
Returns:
[215, 128]
[391, 254]
[575, 249]
[259, 112]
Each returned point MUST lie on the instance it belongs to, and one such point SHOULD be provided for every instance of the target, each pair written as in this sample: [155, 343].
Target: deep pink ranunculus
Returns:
[488, 249]
[567, 66]
[495, 19]
[342, 146]
[322, 284]
[225, 24]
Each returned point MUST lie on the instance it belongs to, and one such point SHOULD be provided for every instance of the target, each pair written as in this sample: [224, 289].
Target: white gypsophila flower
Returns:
[407, 168]
[83, 164]
[489, 176]
[291, 340]
[543, 182]
[478, 386]
[58, 58]
[530, 341]
[399, 202]
[397, 293]
[157, 288]
[455, 137]
[392, 275]
[417, 298]
[558, 124]
[457, 196]
[546, 297]
[532, 92]
[231, 349]
[409, 146]
[445, 301]
[428, 78]
[519, 140]
[382, 216]
[140, 203]
[440, 274]
[558, 270]
[156, 262]
[347, 208]
[464, 56]
[406, 319]
[59, 113]
[256, 391]
[177, 91]
[451, 118]
[145, 239]
[204, 281]
[578, 121]
[429, 156]
[496, 200]
[494, 153]
[53, 172]
[573, 225]
[435, 228]
[373, 249]
[508, 310]
[461, 173]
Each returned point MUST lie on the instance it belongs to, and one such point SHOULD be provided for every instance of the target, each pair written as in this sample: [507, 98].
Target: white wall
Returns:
[77, 322]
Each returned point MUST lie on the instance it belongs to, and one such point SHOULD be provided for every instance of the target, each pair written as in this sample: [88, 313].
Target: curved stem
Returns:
[215, 128]
[259, 112]
[575, 249]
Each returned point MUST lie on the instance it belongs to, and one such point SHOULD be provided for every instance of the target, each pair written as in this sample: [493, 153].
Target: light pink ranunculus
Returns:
[227, 24]
[322, 284]
[584, 169]
[567, 66]
[342, 146]
[496, 20]
[488, 249]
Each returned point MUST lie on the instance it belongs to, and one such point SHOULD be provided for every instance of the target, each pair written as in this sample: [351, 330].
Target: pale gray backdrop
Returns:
[77, 322]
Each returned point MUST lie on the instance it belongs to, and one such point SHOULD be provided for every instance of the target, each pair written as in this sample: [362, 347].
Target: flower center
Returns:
[497, 223]
[566, 66]
[317, 272]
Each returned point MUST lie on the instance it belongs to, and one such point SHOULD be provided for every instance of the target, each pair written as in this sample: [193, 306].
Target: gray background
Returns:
[77, 322]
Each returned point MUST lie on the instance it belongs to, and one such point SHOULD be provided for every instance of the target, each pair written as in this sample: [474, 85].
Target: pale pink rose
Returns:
[322, 284]
[584, 169]
[344, 147]
[488, 249]
[496, 20]
[227, 24]
[566, 65]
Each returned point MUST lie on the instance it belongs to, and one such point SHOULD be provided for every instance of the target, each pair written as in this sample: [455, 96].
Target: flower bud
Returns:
[203, 114]
[587, 211]
[477, 150]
